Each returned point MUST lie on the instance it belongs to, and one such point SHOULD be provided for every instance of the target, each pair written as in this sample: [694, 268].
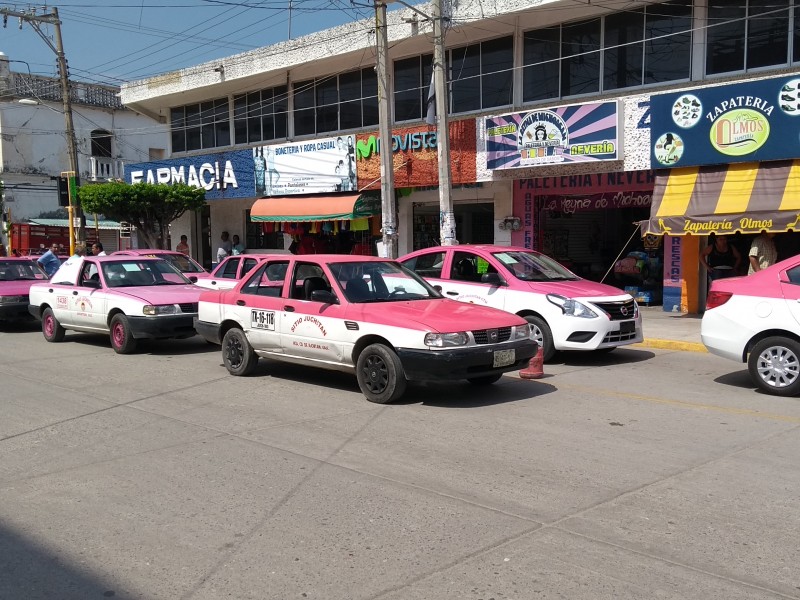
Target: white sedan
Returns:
[756, 319]
[365, 315]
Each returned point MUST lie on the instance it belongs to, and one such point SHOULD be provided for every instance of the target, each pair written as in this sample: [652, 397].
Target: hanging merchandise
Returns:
[327, 227]
[359, 225]
[314, 228]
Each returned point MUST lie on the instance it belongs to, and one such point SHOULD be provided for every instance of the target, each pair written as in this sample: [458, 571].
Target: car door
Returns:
[259, 305]
[312, 329]
[790, 288]
[226, 274]
[464, 283]
[88, 300]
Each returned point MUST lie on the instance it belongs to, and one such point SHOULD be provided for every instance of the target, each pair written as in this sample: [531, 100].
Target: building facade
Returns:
[33, 141]
[552, 109]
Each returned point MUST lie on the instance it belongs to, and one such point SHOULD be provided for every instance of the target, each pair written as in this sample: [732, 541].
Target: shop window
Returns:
[260, 116]
[412, 80]
[540, 53]
[338, 102]
[200, 126]
[481, 75]
[746, 35]
[580, 58]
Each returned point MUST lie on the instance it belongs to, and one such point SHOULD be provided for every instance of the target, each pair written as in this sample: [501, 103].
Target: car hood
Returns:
[163, 294]
[17, 288]
[582, 288]
[440, 315]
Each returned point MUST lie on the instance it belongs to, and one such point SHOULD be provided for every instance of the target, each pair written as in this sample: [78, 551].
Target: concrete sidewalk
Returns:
[672, 331]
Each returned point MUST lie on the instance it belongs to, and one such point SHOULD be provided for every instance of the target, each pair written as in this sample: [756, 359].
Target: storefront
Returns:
[728, 169]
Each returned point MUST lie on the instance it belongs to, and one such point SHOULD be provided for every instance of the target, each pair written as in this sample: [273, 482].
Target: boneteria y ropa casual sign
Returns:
[745, 122]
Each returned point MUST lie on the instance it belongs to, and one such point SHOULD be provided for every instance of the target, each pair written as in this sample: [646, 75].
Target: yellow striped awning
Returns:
[746, 197]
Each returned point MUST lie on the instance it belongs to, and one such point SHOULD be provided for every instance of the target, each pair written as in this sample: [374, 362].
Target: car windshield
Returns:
[139, 273]
[533, 266]
[19, 270]
[374, 281]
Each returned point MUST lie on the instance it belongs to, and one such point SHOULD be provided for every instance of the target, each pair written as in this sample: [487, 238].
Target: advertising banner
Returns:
[221, 175]
[568, 134]
[744, 122]
[318, 166]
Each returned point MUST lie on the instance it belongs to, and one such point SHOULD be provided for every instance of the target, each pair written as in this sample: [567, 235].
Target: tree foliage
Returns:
[150, 207]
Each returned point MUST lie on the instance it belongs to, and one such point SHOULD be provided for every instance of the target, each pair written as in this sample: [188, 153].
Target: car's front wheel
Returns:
[122, 340]
[774, 365]
[51, 328]
[237, 353]
[380, 374]
[543, 336]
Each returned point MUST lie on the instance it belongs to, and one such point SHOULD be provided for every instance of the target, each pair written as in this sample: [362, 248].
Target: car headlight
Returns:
[446, 340]
[12, 299]
[164, 309]
[524, 332]
[571, 308]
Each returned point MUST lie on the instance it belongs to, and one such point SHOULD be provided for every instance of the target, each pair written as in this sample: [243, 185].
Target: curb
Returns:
[672, 345]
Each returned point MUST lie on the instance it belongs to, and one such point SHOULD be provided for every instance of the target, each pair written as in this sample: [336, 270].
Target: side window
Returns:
[469, 267]
[89, 272]
[794, 274]
[308, 278]
[231, 268]
[247, 264]
[427, 265]
[267, 280]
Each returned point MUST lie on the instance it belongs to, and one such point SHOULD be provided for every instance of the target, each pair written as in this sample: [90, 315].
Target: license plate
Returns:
[503, 358]
[627, 327]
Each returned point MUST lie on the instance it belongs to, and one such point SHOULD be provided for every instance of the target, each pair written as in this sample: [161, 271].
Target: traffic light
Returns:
[63, 191]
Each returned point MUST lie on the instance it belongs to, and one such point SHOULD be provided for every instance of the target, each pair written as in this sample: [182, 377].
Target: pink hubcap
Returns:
[119, 334]
[49, 326]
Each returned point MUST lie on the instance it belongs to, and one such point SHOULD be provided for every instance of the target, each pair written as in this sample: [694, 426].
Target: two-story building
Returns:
[574, 127]
[33, 141]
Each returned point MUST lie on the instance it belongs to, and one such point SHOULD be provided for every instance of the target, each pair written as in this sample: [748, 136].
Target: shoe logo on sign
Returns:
[493, 335]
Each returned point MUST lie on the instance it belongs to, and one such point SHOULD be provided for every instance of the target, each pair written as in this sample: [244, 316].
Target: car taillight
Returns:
[715, 299]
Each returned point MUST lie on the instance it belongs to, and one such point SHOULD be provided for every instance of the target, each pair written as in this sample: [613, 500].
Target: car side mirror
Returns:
[192, 278]
[493, 279]
[324, 296]
[91, 283]
[438, 288]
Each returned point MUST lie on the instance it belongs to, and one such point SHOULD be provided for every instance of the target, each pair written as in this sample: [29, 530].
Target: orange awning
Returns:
[314, 208]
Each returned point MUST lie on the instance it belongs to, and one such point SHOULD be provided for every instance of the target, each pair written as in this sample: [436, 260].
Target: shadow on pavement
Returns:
[169, 347]
[25, 326]
[619, 356]
[740, 379]
[32, 571]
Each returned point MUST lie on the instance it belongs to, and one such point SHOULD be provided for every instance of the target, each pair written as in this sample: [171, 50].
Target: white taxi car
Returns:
[361, 314]
[128, 297]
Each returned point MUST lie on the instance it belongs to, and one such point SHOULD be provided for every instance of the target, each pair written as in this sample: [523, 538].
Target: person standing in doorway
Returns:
[762, 252]
[720, 258]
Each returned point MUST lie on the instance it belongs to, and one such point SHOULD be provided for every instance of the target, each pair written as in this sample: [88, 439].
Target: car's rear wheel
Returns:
[237, 353]
[774, 365]
[543, 336]
[380, 374]
[122, 340]
[51, 328]
[485, 380]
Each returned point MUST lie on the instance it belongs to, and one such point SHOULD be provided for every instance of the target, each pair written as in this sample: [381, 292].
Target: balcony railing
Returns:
[104, 169]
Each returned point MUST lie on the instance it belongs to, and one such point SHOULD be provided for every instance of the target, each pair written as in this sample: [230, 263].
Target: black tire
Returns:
[774, 365]
[122, 340]
[237, 354]
[543, 336]
[380, 374]
[51, 328]
[485, 380]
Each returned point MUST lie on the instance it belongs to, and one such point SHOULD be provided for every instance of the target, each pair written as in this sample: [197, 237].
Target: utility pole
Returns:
[388, 207]
[72, 148]
[447, 220]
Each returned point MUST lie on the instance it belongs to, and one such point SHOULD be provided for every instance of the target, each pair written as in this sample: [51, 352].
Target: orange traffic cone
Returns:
[535, 368]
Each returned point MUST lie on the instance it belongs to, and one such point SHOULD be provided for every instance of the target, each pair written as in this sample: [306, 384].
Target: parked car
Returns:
[128, 297]
[567, 312]
[756, 319]
[360, 314]
[185, 264]
[227, 273]
[17, 274]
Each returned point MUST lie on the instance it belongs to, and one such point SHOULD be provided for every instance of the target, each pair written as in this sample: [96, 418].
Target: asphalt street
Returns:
[643, 473]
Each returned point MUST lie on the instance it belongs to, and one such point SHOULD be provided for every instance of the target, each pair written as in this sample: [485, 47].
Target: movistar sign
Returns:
[407, 142]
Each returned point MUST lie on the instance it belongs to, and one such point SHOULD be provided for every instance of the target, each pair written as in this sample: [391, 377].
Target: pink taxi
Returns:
[364, 315]
[567, 312]
[756, 319]
[128, 297]
[16, 277]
